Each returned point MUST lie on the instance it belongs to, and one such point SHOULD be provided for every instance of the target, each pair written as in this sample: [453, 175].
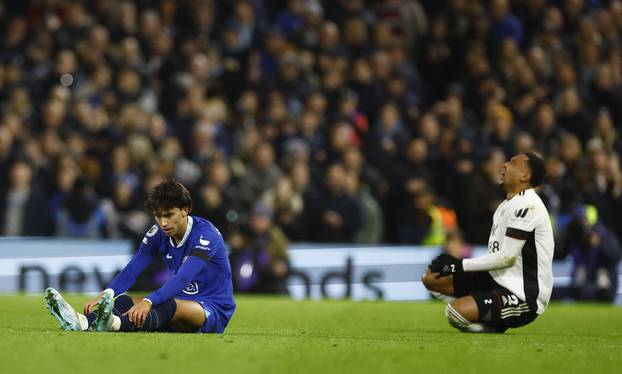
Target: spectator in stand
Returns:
[288, 207]
[259, 261]
[483, 197]
[125, 217]
[24, 207]
[81, 213]
[261, 175]
[504, 23]
[595, 252]
[217, 197]
[455, 245]
[121, 95]
[372, 223]
[337, 216]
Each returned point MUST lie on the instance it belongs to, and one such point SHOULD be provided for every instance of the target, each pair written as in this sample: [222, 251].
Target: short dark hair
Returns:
[167, 195]
[537, 167]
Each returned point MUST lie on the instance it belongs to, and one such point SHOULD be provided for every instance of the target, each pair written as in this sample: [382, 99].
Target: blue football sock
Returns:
[122, 304]
[157, 317]
[91, 317]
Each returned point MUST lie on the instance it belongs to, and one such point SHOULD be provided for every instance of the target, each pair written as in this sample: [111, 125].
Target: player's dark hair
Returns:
[537, 167]
[167, 195]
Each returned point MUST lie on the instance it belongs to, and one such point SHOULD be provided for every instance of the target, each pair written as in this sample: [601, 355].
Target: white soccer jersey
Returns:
[525, 217]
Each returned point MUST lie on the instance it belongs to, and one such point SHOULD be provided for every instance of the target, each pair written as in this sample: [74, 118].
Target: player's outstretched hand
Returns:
[445, 265]
[138, 313]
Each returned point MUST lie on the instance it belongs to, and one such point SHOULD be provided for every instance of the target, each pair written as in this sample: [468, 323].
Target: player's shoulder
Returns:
[201, 226]
[151, 234]
[204, 234]
[526, 203]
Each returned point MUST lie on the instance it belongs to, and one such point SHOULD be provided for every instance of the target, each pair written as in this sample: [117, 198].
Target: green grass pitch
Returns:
[278, 335]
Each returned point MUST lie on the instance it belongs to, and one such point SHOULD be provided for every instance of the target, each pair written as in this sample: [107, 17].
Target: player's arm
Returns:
[513, 242]
[187, 271]
[197, 260]
[126, 278]
[519, 229]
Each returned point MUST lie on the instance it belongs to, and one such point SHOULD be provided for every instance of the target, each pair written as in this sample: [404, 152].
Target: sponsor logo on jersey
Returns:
[191, 289]
[202, 247]
[203, 241]
[168, 256]
[521, 213]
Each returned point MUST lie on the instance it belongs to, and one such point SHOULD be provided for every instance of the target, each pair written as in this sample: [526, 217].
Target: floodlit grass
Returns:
[278, 335]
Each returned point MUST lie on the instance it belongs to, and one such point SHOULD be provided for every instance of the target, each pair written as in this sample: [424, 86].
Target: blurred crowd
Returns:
[332, 121]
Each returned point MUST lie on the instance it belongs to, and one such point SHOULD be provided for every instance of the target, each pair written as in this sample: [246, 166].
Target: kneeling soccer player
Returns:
[512, 284]
[197, 298]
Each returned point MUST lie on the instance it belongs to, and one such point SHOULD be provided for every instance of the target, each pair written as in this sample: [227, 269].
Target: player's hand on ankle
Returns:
[91, 305]
[138, 313]
[445, 265]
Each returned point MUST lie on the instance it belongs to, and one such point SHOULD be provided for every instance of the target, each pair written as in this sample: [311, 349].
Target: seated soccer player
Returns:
[197, 298]
[512, 284]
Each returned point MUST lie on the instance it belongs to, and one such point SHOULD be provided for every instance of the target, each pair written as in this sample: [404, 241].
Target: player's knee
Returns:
[122, 304]
[429, 280]
[456, 319]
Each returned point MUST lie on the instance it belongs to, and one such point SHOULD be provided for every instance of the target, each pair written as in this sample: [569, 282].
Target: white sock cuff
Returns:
[84, 322]
[116, 323]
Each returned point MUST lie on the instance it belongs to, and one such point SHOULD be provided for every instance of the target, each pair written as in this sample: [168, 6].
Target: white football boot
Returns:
[61, 310]
[104, 319]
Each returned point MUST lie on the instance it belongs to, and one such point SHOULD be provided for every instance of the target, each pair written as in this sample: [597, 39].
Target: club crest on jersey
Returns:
[191, 289]
[152, 231]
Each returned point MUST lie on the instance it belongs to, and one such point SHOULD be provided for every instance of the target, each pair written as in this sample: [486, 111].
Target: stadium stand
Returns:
[350, 121]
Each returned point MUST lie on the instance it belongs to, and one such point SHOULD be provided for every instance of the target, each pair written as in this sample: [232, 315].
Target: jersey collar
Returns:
[523, 192]
[183, 240]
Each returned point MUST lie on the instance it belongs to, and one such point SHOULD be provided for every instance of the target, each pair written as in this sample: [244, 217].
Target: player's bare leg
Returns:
[441, 288]
[189, 316]
[463, 314]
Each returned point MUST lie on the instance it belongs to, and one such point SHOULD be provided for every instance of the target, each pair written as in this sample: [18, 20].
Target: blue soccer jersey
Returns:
[199, 265]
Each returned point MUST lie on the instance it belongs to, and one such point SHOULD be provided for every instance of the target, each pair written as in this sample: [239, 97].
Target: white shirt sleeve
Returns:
[521, 218]
[505, 257]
